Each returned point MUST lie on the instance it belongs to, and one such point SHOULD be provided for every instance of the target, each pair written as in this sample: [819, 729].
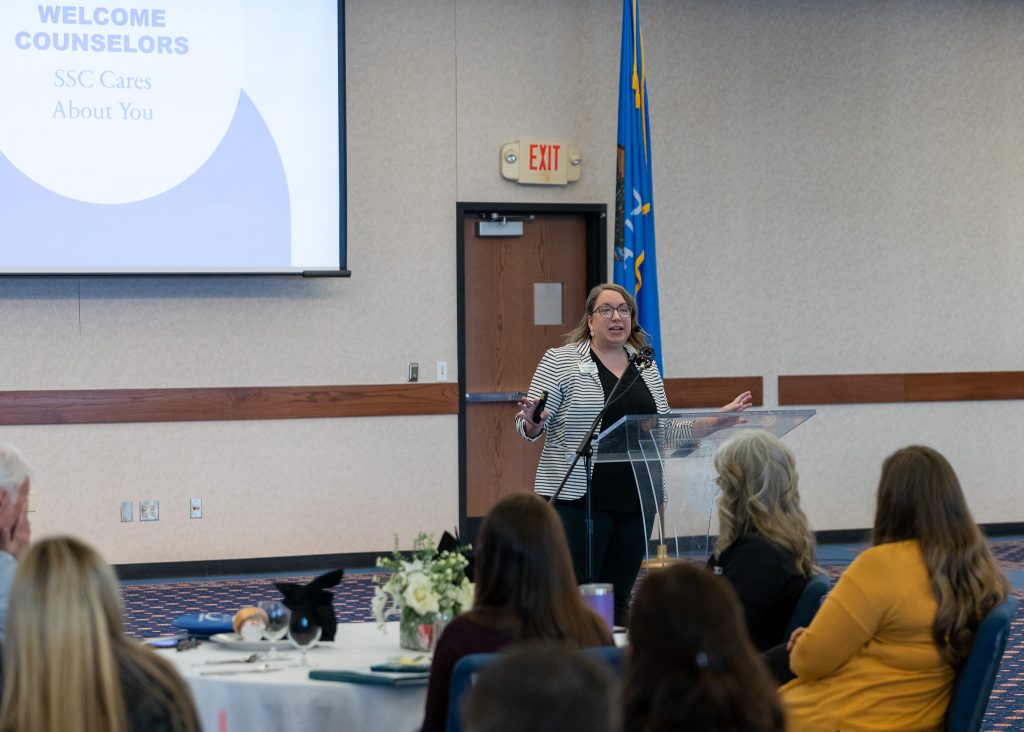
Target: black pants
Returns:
[619, 539]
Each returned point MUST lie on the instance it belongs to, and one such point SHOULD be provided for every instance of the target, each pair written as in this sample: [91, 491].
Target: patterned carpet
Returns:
[150, 607]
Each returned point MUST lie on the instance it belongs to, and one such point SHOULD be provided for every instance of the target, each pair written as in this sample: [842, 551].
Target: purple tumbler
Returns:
[601, 599]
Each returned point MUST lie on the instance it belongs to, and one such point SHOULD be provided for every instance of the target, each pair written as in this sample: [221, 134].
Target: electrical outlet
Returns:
[442, 371]
[126, 511]
[414, 371]
[195, 508]
[149, 510]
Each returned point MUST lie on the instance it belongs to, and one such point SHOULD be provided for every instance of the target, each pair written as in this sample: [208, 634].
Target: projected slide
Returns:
[189, 136]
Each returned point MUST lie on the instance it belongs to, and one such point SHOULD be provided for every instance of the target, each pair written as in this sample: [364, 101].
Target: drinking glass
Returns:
[304, 631]
[278, 617]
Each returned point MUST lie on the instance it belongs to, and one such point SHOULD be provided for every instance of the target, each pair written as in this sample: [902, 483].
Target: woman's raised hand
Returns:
[526, 408]
[741, 402]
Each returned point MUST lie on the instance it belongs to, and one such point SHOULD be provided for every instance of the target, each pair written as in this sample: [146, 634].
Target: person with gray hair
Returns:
[15, 532]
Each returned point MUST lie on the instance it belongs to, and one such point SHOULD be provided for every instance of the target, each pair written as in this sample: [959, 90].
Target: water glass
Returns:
[278, 618]
[304, 631]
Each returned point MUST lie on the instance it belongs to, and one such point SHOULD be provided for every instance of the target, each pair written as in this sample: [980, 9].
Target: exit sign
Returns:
[540, 162]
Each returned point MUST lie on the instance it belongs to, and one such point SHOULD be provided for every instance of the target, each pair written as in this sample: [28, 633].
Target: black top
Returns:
[613, 485]
[768, 583]
[148, 702]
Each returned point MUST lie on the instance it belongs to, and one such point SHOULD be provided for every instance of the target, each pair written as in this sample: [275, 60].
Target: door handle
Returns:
[480, 397]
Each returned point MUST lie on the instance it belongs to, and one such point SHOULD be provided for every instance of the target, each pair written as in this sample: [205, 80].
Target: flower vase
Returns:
[419, 632]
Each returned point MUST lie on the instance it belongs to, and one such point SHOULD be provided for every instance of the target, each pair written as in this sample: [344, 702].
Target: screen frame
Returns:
[342, 270]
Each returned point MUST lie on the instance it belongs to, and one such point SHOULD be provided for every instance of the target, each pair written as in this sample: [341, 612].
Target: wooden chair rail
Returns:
[98, 406]
[712, 392]
[230, 403]
[898, 388]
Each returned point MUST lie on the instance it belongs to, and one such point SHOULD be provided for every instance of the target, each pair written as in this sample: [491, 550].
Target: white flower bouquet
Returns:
[426, 588]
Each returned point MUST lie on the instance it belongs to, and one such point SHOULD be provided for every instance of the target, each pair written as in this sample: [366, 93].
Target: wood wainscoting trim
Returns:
[101, 406]
[712, 392]
[895, 388]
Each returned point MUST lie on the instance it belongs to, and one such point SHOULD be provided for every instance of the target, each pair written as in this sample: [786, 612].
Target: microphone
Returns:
[644, 357]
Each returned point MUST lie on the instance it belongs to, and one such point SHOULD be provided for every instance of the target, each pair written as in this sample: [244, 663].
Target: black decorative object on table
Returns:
[314, 600]
[450, 543]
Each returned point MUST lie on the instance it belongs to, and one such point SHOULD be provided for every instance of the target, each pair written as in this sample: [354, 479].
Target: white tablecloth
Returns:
[289, 701]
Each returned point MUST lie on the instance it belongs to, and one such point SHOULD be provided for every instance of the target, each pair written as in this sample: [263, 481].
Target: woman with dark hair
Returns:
[578, 377]
[525, 590]
[691, 664]
[67, 663]
[882, 651]
[765, 547]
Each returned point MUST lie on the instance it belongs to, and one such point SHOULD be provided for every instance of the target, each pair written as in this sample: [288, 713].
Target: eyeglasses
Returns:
[605, 311]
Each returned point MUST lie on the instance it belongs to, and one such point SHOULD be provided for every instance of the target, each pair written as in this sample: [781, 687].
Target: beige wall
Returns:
[837, 189]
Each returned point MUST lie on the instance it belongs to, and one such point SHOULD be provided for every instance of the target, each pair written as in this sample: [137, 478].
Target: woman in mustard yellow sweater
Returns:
[881, 652]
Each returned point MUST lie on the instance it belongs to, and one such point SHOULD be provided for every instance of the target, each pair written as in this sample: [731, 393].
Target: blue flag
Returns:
[635, 264]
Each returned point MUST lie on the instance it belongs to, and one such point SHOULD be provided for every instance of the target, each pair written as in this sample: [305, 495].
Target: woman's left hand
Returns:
[741, 402]
[707, 425]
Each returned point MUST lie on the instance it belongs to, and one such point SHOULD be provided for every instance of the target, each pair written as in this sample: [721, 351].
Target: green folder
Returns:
[379, 679]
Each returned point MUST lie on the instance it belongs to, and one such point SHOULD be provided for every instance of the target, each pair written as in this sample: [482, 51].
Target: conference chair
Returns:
[807, 606]
[466, 668]
[974, 681]
[463, 674]
[614, 657]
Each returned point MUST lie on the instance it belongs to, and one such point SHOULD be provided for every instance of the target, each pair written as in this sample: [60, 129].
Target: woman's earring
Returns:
[591, 334]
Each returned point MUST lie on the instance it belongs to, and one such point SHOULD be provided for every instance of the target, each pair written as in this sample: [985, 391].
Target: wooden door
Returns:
[503, 342]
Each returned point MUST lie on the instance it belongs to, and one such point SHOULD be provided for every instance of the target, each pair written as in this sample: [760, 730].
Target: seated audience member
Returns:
[68, 664]
[14, 524]
[542, 688]
[765, 547]
[882, 650]
[691, 664]
[525, 590]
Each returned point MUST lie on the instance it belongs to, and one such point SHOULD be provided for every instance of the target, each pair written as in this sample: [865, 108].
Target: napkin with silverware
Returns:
[315, 600]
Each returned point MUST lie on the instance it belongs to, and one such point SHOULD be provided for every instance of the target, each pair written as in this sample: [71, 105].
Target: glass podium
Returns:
[673, 459]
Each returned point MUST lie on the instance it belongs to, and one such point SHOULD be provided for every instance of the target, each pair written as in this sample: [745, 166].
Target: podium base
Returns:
[660, 560]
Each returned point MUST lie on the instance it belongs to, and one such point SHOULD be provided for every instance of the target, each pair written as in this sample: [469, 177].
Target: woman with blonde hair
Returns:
[765, 547]
[882, 652]
[67, 663]
[524, 591]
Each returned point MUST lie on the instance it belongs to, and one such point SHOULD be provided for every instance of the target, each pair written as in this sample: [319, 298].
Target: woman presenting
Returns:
[578, 377]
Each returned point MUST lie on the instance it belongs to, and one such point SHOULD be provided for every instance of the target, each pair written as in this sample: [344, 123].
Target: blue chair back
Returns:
[974, 681]
[612, 656]
[466, 668]
[463, 674]
[807, 606]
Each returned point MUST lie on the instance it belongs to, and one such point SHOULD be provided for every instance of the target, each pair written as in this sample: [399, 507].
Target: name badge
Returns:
[588, 367]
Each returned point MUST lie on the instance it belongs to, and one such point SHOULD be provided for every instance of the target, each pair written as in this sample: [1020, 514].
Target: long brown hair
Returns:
[920, 498]
[692, 665]
[638, 337]
[758, 478]
[524, 575]
[66, 659]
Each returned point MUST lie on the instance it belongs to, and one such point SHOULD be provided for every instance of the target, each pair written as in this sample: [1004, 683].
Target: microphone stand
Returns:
[586, 451]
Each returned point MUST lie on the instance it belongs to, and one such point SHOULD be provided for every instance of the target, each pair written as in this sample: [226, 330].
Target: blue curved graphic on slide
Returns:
[232, 213]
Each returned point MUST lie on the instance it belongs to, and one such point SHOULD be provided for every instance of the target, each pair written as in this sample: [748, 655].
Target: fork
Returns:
[263, 668]
[252, 658]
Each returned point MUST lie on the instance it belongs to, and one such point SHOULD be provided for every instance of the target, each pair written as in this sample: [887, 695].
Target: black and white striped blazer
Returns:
[575, 396]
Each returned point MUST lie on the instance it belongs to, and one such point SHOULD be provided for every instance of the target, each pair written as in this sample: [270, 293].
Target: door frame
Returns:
[596, 217]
